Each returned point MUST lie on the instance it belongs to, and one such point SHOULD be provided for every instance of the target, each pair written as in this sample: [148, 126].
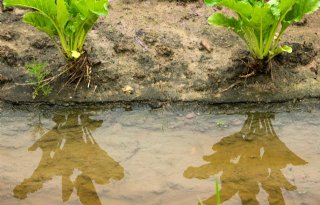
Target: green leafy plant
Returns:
[68, 21]
[261, 23]
[37, 72]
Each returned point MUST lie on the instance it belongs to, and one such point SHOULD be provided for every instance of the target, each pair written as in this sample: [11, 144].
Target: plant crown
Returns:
[69, 20]
[261, 23]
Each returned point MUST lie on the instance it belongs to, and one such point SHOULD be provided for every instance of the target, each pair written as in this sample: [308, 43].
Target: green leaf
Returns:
[242, 8]
[286, 48]
[89, 7]
[280, 49]
[230, 23]
[212, 2]
[301, 8]
[47, 8]
[84, 14]
[286, 5]
[298, 10]
[41, 22]
[262, 15]
[63, 15]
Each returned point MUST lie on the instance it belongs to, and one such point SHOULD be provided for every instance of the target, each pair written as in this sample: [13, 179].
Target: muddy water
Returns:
[158, 157]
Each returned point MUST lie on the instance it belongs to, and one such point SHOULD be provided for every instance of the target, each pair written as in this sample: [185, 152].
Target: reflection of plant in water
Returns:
[250, 158]
[70, 146]
[38, 128]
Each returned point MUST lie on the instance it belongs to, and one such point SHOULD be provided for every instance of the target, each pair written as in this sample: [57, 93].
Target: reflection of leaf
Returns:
[69, 146]
[38, 130]
[67, 188]
[86, 191]
[261, 157]
[37, 126]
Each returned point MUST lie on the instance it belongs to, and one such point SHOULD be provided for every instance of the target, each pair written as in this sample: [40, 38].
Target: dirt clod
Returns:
[191, 115]
[302, 54]
[139, 75]
[128, 89]
[8, 55]
[200, 85]
[7, 17]
[9, 35]
[164, 51]
[124, 45]
[4, 79]
[314, 70]
[42, 43]
[150, 39]
[301, 23]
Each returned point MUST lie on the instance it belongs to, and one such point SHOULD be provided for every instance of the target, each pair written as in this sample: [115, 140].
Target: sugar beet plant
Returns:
[67, 23]
[261, 24]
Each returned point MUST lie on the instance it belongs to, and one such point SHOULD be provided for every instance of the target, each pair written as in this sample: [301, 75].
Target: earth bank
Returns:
[161, 51]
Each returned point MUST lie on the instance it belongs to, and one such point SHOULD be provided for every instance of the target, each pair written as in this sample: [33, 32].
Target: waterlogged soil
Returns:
[161, 51]
[156, 157]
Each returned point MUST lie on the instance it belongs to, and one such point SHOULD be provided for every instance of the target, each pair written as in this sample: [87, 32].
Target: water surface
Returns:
[158, 157]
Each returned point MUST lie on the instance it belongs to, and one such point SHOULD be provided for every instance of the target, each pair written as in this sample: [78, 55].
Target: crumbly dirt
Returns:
[161, 51]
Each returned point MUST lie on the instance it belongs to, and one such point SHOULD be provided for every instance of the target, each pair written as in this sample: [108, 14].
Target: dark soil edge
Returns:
[302, 105]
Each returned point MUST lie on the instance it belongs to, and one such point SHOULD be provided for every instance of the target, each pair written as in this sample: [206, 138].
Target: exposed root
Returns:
[269, 69]
[76, 71]
[248, 75]
[79, 70]
[228, 88]
[255, 66]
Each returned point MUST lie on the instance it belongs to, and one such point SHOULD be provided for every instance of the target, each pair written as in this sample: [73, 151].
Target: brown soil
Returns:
[161, 51]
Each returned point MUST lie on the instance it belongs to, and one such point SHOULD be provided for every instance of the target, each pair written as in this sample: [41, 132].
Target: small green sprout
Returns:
[220, 123]
[37, 71]
[217, 194]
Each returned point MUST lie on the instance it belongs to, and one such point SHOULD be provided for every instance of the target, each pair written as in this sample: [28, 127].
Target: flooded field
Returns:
[157, 157]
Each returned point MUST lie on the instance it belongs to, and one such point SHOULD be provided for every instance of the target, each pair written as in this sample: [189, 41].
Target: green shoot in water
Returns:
[217, 194]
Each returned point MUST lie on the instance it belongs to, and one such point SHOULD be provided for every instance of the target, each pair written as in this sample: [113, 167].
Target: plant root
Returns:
[248, 75]
[228, 88]
[255, 66]
[78, 70]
